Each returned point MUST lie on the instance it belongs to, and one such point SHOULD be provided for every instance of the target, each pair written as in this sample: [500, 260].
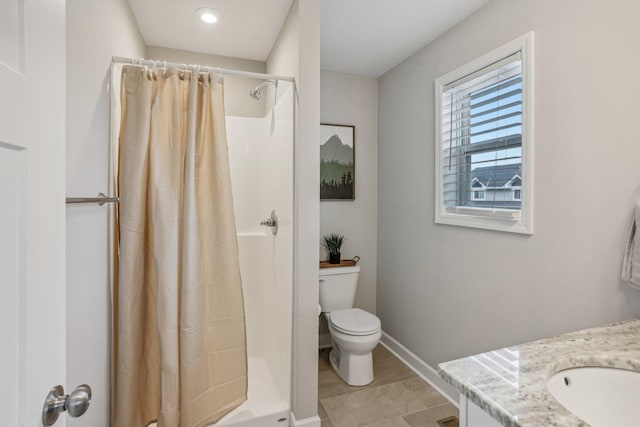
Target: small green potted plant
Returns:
[333, 243]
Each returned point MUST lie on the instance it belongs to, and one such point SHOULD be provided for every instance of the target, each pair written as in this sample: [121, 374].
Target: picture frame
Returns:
[337, 162]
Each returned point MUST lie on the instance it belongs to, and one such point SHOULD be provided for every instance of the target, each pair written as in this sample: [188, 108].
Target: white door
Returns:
[32, 208]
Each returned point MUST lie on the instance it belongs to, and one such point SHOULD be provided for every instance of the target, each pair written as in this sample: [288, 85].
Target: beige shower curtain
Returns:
[180, 349]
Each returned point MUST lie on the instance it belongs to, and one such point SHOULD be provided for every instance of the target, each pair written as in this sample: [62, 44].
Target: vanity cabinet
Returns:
[471, 415]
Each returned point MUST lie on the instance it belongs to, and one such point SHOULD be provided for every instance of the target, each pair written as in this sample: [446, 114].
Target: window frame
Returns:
[483, 218]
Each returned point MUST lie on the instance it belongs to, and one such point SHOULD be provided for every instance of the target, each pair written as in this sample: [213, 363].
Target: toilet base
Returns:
[354, 369]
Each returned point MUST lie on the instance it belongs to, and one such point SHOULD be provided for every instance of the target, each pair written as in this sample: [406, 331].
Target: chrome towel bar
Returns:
[101, 199]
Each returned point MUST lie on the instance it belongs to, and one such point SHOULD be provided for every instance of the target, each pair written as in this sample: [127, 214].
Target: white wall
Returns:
[346, 99]
[445, 291]
[237, 101]
[96, 30]
[296, 52]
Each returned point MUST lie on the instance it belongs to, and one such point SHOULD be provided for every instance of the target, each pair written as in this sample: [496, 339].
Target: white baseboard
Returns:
[306, 422]
[417, 365]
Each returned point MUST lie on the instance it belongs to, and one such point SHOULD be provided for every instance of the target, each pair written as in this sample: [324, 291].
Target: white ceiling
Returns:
[248, 28]
[369, 37]
[365, 37]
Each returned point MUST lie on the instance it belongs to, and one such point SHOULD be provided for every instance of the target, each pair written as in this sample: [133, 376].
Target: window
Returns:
[478, 195]
[484, 141]
[517, 194]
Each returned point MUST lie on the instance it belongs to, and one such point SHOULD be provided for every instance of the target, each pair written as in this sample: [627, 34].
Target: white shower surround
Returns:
[261, 161]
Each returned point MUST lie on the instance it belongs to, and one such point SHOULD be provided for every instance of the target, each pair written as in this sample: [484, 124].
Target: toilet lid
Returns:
[355, 322]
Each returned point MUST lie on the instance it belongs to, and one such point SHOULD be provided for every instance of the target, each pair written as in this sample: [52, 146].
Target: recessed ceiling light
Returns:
[208, 15]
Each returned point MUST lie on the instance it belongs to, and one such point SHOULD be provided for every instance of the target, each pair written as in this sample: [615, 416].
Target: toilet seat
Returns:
[354, 321]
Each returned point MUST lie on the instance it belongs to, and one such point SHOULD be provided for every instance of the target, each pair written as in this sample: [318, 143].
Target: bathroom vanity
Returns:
[513, 386]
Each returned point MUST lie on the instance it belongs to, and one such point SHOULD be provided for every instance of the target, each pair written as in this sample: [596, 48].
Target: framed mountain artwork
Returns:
[337, 162]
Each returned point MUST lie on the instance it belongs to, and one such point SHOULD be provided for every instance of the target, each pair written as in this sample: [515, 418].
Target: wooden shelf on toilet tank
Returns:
[343, 263]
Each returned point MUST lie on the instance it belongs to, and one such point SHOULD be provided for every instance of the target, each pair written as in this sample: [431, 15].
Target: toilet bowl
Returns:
[354, 335]
[354, 332]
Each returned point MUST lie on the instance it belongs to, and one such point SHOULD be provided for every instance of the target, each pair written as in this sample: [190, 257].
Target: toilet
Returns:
[354, 332]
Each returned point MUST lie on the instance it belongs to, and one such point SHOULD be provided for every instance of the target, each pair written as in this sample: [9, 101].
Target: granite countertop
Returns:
[511, 383]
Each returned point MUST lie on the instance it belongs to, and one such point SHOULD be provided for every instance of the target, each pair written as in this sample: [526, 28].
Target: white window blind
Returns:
[482, 111]
[482, 138]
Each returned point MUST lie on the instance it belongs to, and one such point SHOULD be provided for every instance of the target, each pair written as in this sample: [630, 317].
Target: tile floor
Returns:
[397, 397]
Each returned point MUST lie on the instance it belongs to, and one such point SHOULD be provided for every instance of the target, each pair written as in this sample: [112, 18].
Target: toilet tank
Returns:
[338, 287]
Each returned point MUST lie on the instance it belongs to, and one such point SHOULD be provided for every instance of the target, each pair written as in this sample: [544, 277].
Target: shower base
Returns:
[265, 407]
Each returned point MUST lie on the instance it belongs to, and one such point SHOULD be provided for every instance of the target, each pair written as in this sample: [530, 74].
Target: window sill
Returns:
[486, 219]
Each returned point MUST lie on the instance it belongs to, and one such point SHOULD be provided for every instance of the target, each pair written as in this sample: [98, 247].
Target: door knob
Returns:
[56, 402]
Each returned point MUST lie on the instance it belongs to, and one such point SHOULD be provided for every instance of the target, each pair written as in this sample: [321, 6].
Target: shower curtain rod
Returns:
[250, 74]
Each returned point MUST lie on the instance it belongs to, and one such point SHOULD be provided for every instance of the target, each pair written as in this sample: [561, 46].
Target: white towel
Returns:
[631, 262]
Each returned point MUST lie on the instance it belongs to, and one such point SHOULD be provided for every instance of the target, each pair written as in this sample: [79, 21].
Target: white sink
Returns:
[602, 397]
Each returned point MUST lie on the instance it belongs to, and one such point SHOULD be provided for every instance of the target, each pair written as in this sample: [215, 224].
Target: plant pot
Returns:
[334, 258]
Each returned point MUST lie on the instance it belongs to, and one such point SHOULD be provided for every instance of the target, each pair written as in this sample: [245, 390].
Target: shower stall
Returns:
[261, 161]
